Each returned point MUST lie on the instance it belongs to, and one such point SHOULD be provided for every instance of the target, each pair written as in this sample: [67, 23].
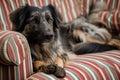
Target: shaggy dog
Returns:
[79, 35]
[50, 39]
[41, 30]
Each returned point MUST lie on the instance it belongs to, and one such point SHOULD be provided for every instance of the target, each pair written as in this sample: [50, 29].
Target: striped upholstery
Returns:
[15, 56]
[68, 9]
[112, 19]
[85, 5]
[97, 66]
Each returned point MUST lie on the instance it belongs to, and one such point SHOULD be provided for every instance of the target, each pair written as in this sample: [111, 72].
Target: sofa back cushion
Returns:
[67, 8]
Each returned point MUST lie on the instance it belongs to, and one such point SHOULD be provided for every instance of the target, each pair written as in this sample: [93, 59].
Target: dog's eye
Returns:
[48, 18]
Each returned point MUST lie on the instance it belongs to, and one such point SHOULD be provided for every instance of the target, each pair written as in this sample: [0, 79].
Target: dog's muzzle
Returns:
[48, 36]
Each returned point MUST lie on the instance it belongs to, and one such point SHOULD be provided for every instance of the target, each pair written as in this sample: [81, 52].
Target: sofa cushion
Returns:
[84, 5]
[111, 20]
[96, 66]
[67, 8]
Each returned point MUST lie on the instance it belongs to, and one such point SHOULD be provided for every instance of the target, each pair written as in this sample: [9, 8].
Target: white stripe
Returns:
[23, 1]
[20, 40]
[6, 8]
[116, 55]
[88, 6]
[82, 73]
[110, 58]
[32, 78]
[65, 78]
[4, 33]
[5, 50]
[73, 8]
[103, 64]
[72, 74]
[46, 2]
[113, 4]
[48, 76]
[116, 52]
[104, 78]
[12, 4]
[24, 69]
[17, 52]
[35, 2]
[64, 12]
[109, 18]
[117, 67]
[2, 19]
[87, 68]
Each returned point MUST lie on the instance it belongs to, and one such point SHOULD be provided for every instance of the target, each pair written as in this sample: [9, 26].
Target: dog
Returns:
[40, 28]
[51, 40]
[79, 35]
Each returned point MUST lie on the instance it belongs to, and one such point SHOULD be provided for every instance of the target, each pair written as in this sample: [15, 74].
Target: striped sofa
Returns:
[15, 55]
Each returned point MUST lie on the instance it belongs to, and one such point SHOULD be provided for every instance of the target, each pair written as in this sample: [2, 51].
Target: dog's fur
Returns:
[49, 39]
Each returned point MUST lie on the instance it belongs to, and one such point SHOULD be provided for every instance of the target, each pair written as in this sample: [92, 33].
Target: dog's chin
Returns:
[47, 40]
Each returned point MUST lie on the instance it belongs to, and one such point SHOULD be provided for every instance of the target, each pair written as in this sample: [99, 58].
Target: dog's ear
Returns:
[18, 17]
[56, 15]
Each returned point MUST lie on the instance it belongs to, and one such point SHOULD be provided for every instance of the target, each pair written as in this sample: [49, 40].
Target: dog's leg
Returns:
[89, 47]
[60, 63]
[38, 64]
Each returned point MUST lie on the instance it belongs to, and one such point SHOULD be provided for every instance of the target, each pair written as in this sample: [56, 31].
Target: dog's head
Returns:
[37, 24]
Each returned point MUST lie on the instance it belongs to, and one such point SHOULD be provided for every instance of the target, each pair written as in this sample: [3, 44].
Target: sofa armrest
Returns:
[13, 47]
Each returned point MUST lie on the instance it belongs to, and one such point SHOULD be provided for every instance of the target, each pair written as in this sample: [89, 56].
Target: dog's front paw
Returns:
[60, 72]
[51, 69]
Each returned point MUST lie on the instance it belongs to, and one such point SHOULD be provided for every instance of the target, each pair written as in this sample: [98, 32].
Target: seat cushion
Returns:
[96, 66]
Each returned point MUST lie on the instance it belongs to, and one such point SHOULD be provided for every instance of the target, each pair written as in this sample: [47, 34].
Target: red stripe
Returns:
[67, 77]
[109, 3]
[116, 19]
[14, 4]
[94, 69]
[82, 70]
[20, 50]
[38, 2]
[70, 10]
[5, 14]
[98, 65]
[1, 25]
[76, 8]
[11, 52]
[7, 19]
[5, 34]
[28, 64]
[7, 4]
[21, 71]
[41, 2]
[38, 76]
[52, 2]
[118, 5]
[67, 10]
[73, 70]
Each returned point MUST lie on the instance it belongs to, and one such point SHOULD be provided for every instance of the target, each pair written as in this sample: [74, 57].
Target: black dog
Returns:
[41, 30]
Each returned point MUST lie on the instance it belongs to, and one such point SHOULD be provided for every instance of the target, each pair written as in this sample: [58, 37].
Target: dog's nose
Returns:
[49, 36]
